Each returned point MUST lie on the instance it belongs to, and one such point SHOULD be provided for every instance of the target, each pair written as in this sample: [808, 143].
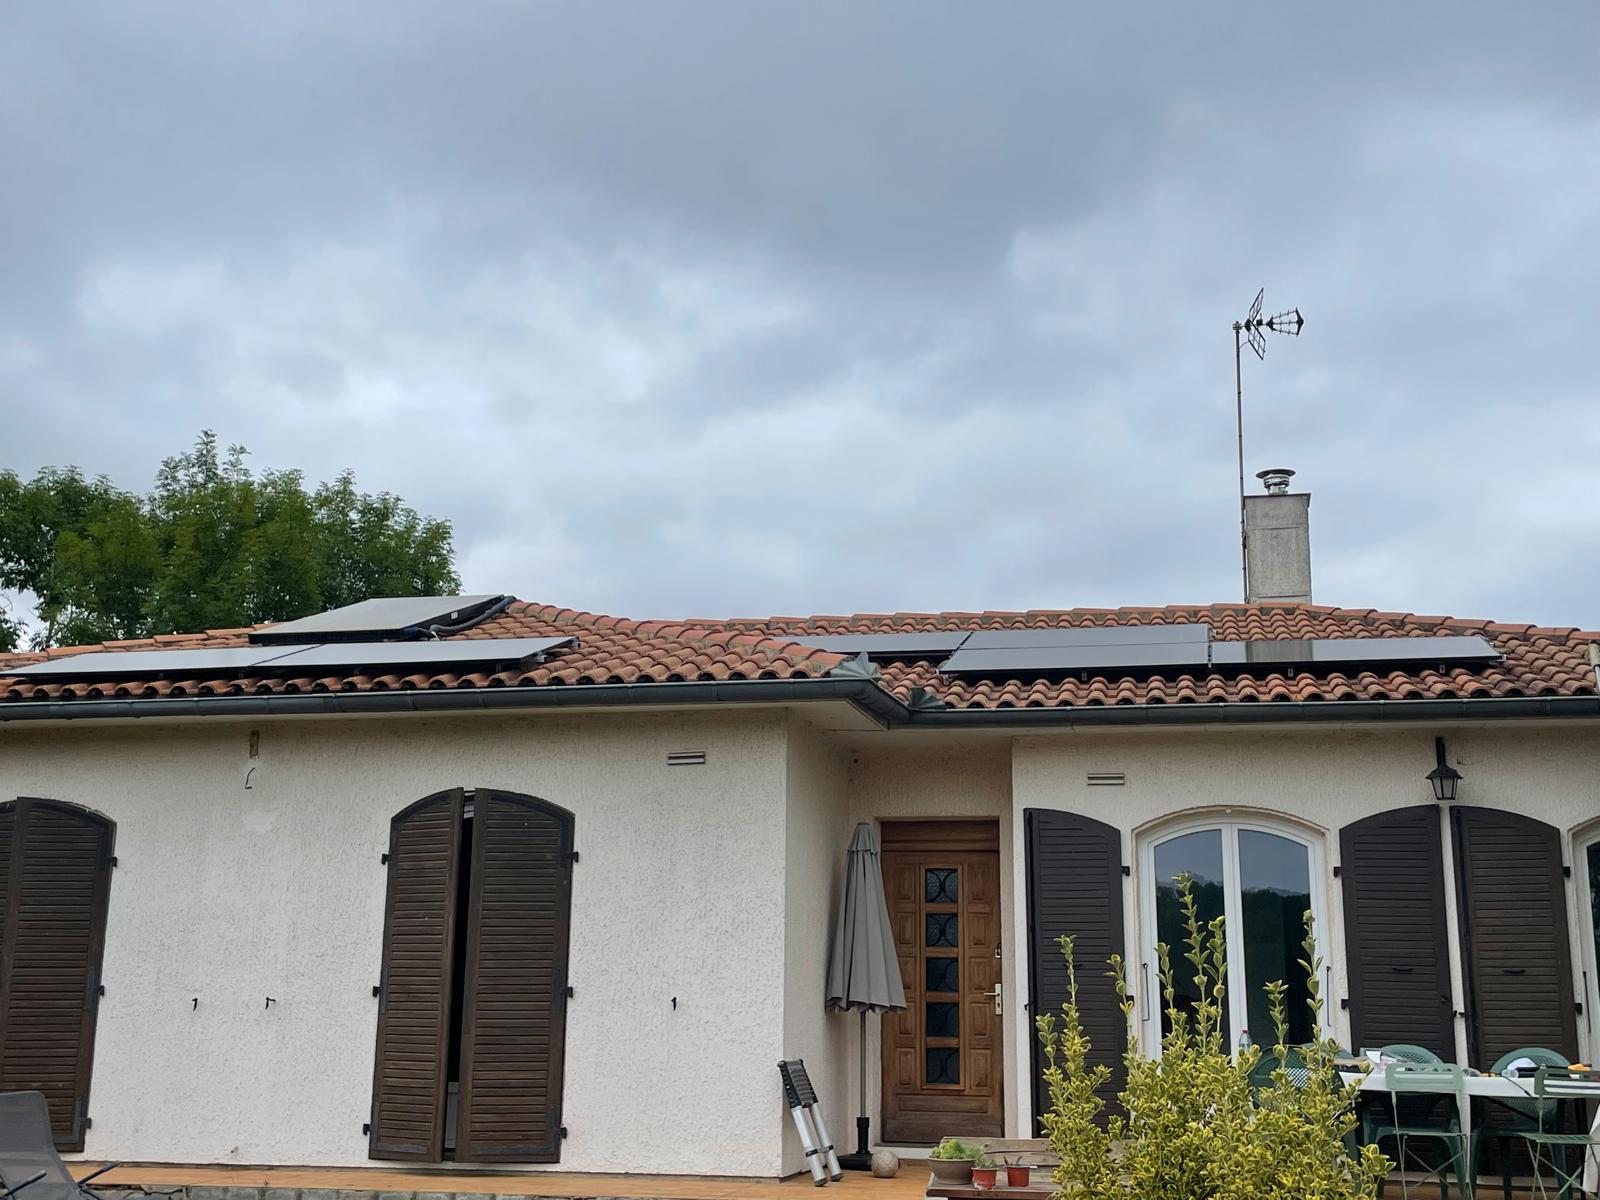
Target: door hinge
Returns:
[1345, 1002]
[563, 1132]
[571, 991]
[383, 858]
[1566, 871]
[377, 989]
[366, 1129]
[1337, 872]
[571, 856]
[111, 861]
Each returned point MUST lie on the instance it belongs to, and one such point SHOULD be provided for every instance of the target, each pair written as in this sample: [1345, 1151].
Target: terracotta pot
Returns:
[983, 1177]
[1017, 1176]
[952, 1170]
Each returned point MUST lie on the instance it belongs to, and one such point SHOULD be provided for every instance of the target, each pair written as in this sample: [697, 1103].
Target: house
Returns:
[541, 887]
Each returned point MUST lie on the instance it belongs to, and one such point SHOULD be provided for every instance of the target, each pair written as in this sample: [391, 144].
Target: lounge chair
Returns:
[30, 1168]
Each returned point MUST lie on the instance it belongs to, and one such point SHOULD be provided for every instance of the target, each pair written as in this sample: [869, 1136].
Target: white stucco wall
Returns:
[1324, 779]
[914, 777]
[230, 895]
[817, 834]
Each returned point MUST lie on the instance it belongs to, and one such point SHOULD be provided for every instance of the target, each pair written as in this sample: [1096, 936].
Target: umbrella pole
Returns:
[861, 1160]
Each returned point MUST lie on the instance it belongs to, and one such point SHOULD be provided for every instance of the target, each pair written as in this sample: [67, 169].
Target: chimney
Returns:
[1277, 532]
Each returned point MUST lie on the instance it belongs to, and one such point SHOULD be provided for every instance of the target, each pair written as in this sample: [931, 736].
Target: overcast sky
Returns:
[746, 308]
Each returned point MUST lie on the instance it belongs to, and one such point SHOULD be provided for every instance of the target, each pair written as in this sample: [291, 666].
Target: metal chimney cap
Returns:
[1276, 480]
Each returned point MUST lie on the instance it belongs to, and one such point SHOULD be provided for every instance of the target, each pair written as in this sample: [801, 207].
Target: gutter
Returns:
[883, 708]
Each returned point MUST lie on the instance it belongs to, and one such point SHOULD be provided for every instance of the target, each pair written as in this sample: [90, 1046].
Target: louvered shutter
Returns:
[1075, 887]
[412, 1060]
[57, 885]
[1512, 904]
[1397, 943]
[514, 1017]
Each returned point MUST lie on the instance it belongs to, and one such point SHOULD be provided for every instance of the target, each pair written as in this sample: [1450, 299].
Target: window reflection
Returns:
[1275, 891]
[1200, 855]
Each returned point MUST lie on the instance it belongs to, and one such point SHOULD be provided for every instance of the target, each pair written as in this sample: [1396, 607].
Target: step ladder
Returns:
[807, 1112]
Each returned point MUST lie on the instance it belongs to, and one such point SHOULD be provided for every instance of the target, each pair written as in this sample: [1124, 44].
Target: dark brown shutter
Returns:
[515, 1005]
[56, 887]
[412, 1061]
[1397, 943]
[1075, 887]
[1512, 901]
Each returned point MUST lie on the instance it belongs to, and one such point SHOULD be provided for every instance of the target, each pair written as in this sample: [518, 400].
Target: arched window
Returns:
[1262, 876]
[1588, 856]
[55, 879]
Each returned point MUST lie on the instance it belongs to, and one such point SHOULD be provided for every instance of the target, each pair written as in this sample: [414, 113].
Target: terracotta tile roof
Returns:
[608, 650]
[1538, 662]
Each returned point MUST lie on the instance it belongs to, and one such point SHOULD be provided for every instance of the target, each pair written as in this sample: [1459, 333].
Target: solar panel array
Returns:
[1134, 648]
[345, 657]
[376, 619]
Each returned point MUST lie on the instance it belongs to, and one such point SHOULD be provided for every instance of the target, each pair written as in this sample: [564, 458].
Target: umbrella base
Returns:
[861, 1160]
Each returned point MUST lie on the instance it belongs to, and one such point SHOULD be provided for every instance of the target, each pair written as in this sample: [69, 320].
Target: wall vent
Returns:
[686, 758]
[1106, 779]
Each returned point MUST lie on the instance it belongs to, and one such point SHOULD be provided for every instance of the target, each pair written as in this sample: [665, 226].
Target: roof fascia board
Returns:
[872, 700]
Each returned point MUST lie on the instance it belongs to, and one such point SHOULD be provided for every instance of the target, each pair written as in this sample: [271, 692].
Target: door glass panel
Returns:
[1594, 898]
[944, 1065]
[940, 886]
[943, 975]
[944, 1020]
[1275, 890]
[1200, 854]
[942, 929]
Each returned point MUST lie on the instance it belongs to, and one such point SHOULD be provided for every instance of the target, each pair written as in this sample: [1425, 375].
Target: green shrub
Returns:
[955, 1148]
[1191, 1126]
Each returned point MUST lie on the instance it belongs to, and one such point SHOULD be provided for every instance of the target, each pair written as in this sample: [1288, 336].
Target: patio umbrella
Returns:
[863, 969]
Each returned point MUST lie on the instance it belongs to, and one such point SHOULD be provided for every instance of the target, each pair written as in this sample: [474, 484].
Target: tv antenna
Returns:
[1252, 329]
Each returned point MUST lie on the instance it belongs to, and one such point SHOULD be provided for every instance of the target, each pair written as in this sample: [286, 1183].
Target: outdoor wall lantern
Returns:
[1444, 778]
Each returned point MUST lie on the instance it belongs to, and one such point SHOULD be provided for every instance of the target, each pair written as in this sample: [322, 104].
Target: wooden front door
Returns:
[942, 1055]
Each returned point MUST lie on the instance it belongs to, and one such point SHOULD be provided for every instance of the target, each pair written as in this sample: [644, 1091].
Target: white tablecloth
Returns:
[1494, 1087]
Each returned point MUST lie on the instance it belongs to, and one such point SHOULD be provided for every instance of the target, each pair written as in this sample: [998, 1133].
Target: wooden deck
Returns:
[908, 1185]
[856, 1185]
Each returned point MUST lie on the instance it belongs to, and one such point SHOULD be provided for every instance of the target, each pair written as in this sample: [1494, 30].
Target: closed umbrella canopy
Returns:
[863, 969]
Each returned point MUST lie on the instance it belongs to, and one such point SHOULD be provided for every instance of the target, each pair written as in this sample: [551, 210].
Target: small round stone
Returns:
[885, 1164]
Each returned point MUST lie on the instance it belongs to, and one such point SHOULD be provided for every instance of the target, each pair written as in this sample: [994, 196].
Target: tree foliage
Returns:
[212, 545]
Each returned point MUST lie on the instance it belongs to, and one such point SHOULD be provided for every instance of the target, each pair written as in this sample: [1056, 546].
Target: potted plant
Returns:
[952, 1161]
[983, 1171]
[1017, 1174]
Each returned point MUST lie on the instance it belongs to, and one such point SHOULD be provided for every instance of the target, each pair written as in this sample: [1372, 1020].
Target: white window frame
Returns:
[1230, 825]
[1582, 843]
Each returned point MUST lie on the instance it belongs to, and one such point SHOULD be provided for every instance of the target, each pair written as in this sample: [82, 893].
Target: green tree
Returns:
[212, 545]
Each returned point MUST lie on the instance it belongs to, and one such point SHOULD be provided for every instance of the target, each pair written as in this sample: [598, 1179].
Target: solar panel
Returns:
[1023, 659]
[1084, 648]
[1368, 651]
[108, 664]
[232, 661]
[348, 656]
[381, 617]
[881, 645]
[1089, 635]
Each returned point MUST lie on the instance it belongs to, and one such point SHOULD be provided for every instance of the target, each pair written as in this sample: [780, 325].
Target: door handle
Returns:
[995, 996]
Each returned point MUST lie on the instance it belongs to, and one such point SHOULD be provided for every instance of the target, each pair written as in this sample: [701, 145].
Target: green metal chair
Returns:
[1415, 1110]
[1437, 1080]
[1547, 1146]
[1516, 1116]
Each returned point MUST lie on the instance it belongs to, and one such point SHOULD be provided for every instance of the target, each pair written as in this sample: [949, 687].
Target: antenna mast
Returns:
[1250, 330]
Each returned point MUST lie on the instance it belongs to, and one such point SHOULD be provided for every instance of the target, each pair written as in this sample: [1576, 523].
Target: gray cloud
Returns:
[712, 308]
